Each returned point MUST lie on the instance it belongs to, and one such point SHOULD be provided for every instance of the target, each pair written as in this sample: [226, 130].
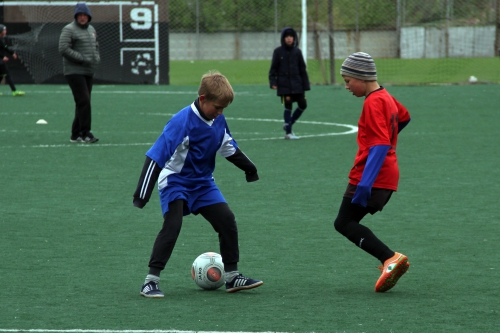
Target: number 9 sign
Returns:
[142, 19]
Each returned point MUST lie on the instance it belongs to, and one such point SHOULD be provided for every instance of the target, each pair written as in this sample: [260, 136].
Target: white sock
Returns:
[153, 278]
[229, 276]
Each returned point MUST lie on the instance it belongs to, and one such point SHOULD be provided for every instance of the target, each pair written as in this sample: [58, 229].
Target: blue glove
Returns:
[376, 158]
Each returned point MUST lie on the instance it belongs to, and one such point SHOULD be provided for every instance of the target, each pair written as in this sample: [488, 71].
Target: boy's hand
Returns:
[139, 203]
[362, 194]
[274, 87]
[252, 176]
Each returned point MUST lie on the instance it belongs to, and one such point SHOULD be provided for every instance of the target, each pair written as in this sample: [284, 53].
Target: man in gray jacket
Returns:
[80, 50]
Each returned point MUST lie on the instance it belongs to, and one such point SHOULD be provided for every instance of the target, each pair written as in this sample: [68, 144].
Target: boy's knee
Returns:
[340, 224]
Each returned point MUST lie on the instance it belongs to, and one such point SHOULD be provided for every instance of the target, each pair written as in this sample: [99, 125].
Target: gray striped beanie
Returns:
[359, 65]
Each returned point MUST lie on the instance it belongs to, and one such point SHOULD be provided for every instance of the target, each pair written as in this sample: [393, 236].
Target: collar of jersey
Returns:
[197, 112]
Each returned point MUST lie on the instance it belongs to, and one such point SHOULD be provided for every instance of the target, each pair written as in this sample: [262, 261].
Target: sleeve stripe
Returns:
[147, 178]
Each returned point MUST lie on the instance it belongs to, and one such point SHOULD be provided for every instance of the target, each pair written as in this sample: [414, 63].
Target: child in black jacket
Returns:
[289, 77]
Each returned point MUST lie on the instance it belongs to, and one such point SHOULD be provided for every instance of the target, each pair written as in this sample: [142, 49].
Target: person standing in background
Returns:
[288, 76]
[80, 50]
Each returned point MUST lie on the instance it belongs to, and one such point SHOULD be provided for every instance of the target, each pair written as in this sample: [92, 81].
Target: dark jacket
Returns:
[288, 69]
[78, 45]
[4, 49]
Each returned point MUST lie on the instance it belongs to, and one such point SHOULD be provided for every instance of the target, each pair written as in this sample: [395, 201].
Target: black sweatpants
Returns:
[220, 217]
[81, 87]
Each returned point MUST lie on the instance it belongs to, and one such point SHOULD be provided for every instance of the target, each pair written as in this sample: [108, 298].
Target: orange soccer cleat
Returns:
[392, 270]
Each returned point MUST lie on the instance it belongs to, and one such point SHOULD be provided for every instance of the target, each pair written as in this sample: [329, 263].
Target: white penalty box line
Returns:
[120, 331]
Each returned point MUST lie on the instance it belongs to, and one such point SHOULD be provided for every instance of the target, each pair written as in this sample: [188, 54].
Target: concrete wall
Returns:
[416, 42]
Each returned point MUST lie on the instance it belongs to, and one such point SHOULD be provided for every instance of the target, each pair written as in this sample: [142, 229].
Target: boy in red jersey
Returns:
[375, 173]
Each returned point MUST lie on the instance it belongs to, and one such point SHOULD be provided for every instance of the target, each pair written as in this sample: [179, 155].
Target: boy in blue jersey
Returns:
[182, 161]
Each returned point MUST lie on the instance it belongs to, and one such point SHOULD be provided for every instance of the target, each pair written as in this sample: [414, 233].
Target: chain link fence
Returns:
[412, 41]
[443, 32]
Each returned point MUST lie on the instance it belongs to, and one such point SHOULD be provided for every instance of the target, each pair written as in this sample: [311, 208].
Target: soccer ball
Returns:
[208, 271]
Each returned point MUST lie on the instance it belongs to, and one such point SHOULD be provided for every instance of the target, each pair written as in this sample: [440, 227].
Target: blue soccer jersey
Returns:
[186, 152]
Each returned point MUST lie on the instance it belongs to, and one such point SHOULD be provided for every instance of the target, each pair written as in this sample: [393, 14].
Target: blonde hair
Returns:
[216, 87]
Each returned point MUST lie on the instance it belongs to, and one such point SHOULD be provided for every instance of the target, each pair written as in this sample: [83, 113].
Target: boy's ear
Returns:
[202, 98]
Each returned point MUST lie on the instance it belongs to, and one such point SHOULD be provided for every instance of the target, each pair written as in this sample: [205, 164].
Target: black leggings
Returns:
[347, 223]
[4, 71]
[220, 217]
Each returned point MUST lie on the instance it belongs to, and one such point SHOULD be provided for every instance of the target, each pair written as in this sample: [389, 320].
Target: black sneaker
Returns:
[151, 290]
[240, 283]
[90, 138]
[76, 140]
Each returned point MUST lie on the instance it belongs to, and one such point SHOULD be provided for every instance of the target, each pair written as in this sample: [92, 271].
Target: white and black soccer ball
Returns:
[208, 271]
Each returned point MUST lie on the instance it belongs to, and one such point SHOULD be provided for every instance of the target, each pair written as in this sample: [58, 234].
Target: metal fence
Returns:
[249, 30]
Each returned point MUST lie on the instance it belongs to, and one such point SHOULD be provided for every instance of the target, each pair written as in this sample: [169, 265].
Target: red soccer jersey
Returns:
[378, 125]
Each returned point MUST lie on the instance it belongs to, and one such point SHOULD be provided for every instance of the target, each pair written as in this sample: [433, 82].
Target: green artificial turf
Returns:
[389, 71]
[74, 251]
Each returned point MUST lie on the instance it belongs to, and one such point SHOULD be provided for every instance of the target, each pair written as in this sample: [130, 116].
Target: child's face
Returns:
[3, 33]
[356, 86]
[211, 109]
[289, 40]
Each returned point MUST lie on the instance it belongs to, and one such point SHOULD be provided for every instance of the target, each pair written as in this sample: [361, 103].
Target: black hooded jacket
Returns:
[288, 69]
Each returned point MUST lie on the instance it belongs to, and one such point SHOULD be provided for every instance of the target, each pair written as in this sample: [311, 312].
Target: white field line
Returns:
[125, 92]
[350, 130]
[119, 331]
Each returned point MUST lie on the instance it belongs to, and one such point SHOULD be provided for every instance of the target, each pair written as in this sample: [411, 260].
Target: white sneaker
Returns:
[291, 136]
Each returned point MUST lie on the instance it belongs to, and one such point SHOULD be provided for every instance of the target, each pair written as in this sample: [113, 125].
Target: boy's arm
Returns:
[147, 180]
[7, 48]
[402, 124]
[243, 162]
[273, 71]
[303, 73]
[403, 115]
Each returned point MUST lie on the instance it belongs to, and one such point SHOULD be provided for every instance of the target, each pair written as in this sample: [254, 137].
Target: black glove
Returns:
[252, 176]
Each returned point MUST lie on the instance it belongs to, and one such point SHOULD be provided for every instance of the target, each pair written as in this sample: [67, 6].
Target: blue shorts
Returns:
[194, 197]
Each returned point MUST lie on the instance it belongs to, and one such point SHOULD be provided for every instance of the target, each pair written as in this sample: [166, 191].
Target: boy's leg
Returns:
[162, 249]
[8, 78]
[301, 106]
[394, 264]
[347, 223]
[223, 221]
[167, 237]
[287, 114]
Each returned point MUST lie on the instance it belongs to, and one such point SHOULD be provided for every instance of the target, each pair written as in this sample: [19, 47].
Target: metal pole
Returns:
[331, 41]
[497, 28]
[198, 51]
[449, 14]
[357, 39]
[276, 18]
[304, 30]
[398, 28]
